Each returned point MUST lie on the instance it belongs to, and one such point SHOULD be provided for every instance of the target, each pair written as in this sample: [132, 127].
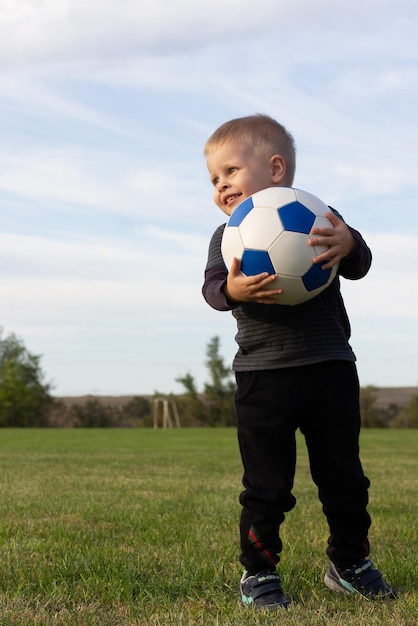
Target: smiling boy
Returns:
[294, 370]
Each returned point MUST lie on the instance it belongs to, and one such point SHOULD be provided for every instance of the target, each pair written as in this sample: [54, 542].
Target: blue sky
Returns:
[105, 201]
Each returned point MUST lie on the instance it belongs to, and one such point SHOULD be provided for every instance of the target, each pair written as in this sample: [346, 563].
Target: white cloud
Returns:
[75, 179]
[71, 29]
[372, 180]
[100, 282]
[388, 291]
[63, 176]
[21, 88]
[85, 256]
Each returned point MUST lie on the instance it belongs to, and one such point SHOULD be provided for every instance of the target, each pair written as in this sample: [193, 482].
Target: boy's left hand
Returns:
[339, 240]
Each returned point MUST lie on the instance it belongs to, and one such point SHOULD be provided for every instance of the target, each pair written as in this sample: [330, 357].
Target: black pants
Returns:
[322, 400]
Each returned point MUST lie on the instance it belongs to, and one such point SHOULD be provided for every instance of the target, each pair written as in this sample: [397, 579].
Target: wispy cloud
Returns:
[73, 29]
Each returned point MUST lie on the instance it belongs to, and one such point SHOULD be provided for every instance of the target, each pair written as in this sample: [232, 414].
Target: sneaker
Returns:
[363, 578]
[262, 591]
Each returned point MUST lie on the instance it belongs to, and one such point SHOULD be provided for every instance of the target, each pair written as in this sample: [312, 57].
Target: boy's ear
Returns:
[278, 168]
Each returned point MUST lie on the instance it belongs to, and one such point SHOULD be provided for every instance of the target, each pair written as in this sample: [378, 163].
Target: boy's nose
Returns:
[222, 184]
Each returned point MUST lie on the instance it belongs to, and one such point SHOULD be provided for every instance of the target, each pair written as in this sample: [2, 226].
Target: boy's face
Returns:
[237, 173]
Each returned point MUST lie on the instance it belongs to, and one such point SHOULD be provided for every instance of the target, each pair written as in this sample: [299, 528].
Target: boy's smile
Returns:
[236, 173]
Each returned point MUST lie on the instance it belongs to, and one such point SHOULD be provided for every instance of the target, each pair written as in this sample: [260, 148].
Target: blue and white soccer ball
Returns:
[269, 232]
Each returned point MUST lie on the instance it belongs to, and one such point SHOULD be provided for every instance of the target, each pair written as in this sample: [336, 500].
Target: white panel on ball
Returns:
[260, 228]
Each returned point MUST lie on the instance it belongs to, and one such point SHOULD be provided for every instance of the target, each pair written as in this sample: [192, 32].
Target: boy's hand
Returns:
[339, 239]
[241, 288]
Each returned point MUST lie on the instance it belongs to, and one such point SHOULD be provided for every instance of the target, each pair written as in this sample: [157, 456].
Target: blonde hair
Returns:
[264, 135]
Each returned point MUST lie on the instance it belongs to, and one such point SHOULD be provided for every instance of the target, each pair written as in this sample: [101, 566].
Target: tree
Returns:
[215, 406]
[408, 416]
[25, 398]
[220, 391]
[389, 413]
[94, 414]
[191, 406]
[371, 416]
[137, 411]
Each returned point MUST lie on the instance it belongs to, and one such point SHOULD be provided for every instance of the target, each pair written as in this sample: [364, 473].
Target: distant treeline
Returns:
[26, 400]
[199, 410]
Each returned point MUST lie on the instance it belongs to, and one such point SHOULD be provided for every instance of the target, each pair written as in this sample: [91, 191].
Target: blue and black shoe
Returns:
[362, 578]
[262, 591]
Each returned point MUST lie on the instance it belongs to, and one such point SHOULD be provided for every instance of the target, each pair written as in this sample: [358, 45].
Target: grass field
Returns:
[139, 527]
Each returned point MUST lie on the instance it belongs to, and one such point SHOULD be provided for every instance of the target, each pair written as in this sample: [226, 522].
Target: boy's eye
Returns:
[230, 170]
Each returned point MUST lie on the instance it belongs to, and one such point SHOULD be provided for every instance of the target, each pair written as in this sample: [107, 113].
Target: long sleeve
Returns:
[358, 262]
[215, 275]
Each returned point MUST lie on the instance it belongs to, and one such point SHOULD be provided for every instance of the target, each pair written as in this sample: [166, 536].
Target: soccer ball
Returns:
[269, 232]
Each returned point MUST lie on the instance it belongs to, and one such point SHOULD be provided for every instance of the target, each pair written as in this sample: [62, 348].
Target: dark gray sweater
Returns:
[274, 336]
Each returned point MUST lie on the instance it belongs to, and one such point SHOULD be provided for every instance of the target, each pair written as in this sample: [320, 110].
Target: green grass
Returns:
[140, 527]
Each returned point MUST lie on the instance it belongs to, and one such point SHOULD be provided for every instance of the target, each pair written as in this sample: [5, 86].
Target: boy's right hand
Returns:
[240, 288]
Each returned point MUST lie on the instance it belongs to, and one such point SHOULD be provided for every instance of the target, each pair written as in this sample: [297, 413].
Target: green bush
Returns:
[24, 396]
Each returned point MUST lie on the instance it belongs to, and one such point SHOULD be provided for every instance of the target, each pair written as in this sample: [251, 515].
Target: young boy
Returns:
[294, 369]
